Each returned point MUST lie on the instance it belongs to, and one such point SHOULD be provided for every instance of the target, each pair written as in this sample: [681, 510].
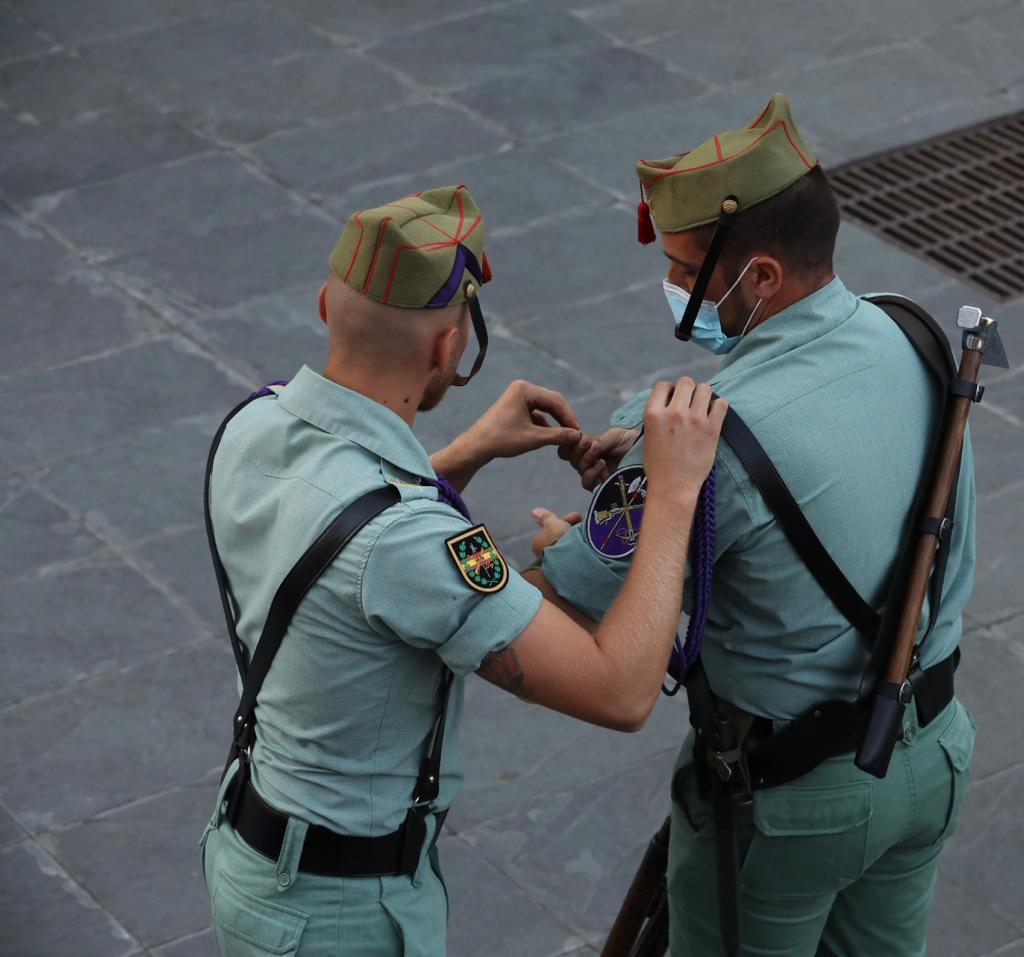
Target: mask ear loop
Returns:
[725, 219]
[479, 328]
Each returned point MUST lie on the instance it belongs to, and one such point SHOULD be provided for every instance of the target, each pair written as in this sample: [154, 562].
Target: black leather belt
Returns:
[325, 852]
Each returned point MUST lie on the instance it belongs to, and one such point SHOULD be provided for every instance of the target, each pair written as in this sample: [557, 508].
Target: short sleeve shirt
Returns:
[845, 409]
[348, 706]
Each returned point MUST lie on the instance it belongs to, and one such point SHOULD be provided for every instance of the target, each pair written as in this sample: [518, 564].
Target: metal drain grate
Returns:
[957, 200]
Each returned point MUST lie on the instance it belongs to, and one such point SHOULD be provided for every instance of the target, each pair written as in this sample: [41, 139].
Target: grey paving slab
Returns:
[234, 262]
[76, 24]
[514, 924]
[961, 924]
[43, 159]
[985, 851]
[90, 619]
[10, 831]
[515, 753]
[47, 913]
[118, 737]
[577, 849]
[28, 254]
[364, 22]
[1001, 459]
[348, 153]
[23, 34]
[607, 151]
[988, 682]
[920, 18]
[205, 48]
[194, 945]
[142, 862]
[933, 120]
[37, 533]
[875, 89]
[623, 342]
[512, 187]
[174, 202]
[181, 562]
[1000, 530]
[272, 336]
[866, 263]
[129, 391]
[736, 48]
[68, 313]
[59, 87]
[575, 91]
[508, 41]
[614, 262]
[141, 486]
[313, 88]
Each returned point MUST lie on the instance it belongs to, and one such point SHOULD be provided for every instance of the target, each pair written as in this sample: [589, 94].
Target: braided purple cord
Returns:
[266, 390]
[685, 653]
[703, 572]
[447, 493]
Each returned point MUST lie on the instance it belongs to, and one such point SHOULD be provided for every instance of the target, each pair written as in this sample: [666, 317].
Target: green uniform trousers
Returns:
[264, 907]
[835, 864]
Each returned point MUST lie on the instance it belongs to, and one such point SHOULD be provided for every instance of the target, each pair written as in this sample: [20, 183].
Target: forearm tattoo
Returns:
[502, 668]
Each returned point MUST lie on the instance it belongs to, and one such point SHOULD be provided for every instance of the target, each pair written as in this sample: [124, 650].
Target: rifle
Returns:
[646, 900]
[981, 345]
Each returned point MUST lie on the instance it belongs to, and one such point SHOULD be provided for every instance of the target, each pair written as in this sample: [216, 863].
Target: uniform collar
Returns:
[355, 418]
[797, 325]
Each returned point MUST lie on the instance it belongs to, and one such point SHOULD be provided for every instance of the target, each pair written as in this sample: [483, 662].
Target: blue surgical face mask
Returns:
[707, 329]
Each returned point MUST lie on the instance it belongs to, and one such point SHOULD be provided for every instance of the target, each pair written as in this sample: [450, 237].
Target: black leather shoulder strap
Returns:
[795, 526]
[313, 563]
[930, 343]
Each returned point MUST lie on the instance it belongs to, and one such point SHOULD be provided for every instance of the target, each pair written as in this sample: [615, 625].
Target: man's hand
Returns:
[682, 423]
[595, 457]
[517, 422]
[552, 528]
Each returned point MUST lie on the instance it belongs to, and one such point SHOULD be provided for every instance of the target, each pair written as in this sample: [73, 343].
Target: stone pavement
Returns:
[172, 177]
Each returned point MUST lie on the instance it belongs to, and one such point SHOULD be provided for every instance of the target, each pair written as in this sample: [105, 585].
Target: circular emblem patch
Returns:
[616, 511]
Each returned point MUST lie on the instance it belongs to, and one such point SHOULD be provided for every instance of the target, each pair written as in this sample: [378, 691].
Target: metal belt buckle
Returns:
[722, 767]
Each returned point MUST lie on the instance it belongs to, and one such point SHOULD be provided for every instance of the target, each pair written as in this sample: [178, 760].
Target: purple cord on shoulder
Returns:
[702, 545]
[447, 493]
[266, 390]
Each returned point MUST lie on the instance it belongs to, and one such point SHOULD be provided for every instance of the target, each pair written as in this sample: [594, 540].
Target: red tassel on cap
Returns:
[486, 275]
[644, 224]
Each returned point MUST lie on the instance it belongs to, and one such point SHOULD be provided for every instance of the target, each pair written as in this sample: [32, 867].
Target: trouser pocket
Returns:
[807, 841]
[245, 925]
[957, 743]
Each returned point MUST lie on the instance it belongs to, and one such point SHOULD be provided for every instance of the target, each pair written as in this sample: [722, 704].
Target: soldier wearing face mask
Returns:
[826, 858]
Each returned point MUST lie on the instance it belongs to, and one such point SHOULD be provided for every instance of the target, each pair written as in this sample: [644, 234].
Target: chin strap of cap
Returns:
[473, 300]
[725, 220]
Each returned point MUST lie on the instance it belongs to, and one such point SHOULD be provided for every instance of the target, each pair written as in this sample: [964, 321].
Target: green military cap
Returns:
[418, 252]
[752, 164]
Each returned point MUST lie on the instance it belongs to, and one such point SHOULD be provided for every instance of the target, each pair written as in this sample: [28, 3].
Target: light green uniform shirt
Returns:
[844, 408]
[346, 710]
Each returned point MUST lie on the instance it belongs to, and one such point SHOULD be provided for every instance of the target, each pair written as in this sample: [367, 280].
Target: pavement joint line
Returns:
[50, 866]
[180, 939]
[127, 556]
[561, 216]
[523, 889]
[84, 679]
[588, 180]
[1012, 487]
[83, 359]
[1006, 948]
[1002, 413]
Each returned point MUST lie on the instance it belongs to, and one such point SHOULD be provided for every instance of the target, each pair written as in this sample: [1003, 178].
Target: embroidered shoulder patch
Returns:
[616, 511]
[478, 560]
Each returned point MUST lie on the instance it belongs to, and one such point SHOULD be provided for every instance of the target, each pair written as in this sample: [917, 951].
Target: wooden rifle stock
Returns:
[642, 893]
[894, 692]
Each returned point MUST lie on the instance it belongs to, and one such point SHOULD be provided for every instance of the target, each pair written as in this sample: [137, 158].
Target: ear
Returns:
[321, 302]
[446, 343]
[767, 275]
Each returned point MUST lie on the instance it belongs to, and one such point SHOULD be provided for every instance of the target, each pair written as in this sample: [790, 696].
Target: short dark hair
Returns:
[798, 226]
